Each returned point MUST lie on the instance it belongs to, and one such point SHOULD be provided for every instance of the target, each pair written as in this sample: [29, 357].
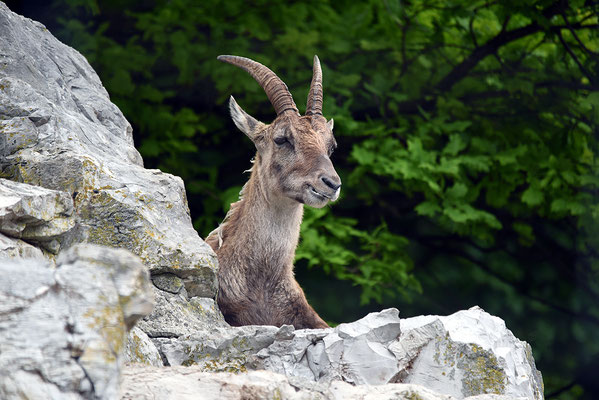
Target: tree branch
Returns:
[573, 32]
[576, 60]
[490, 47]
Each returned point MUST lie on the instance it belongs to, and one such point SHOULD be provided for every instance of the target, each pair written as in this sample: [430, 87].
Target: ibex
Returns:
[256, 242]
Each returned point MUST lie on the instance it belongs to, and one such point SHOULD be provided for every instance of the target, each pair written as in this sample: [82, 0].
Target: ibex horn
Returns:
[314, 106]
[275, 88]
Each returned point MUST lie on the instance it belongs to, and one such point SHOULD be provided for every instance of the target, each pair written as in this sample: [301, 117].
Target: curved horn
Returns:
[275, 88]
[314, 106]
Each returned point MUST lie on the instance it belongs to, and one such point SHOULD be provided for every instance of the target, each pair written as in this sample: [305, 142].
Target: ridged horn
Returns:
[275, 88]
[314, 106]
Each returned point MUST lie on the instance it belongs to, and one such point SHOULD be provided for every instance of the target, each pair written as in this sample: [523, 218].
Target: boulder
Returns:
[34, 214]
[140, 349]
[77, 177]
[175, 315]
[11, 248]
[356, 352]
[63, 329]
[59, 131]
[466, 353]
[220, 349]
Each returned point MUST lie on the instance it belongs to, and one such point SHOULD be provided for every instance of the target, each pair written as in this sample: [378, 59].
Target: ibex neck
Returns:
[271, 222]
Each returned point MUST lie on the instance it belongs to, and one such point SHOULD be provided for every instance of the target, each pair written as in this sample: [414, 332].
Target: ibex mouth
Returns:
[318, 194]
[323, 197]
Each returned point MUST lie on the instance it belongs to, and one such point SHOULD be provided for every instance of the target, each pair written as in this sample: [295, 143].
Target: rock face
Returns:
[462, 355]
[69, 175]
[59, 131]
[62, 330]
[183, 383]
[36, 215]
[356, 352]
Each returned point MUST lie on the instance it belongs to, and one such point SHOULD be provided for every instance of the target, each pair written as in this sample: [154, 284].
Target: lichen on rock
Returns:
[63, 329]
[61, 132]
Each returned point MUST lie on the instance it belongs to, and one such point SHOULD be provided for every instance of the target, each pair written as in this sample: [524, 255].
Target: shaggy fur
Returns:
[256, 242]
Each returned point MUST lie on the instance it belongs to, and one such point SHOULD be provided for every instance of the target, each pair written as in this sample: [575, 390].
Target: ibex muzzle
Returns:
[256, 242]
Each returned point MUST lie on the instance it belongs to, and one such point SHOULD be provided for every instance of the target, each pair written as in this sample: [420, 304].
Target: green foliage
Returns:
[468, 137]
[377, 260]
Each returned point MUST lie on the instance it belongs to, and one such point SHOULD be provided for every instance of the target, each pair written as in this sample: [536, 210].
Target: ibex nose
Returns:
[330, 183]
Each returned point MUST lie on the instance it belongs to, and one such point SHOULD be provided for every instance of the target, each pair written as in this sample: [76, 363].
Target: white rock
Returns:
[63, 330]
[11, 248]
[217, 349]
[175, 315]
[34, 214]
[61, 132]
[355, 352]
[142, 382]
[467, 353]
[140, 349]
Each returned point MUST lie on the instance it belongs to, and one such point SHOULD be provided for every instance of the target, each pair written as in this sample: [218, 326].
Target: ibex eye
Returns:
[281, 140]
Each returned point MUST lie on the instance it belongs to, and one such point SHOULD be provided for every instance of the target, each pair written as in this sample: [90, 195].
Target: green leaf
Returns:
[428, 208]
[532, 196]
[455, 145]
[457, 191]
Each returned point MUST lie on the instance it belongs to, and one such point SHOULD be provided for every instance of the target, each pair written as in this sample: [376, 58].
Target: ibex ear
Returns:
[330, 124]
[245, 122]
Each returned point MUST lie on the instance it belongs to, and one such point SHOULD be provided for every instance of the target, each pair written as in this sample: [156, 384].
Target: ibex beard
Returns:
[256, 242]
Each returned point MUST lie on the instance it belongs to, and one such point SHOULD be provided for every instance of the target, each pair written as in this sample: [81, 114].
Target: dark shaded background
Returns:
[468, 135]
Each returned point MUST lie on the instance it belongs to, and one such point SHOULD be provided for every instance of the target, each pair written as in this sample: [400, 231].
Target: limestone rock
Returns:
[220, 349]
[462, 355]
[356, 352]
[34, 214]
[11, 248]
[141, 350]
[59, 130]
[63, 330]
[187, 383]
[466, 353]
[182, 383]
[168, 282]
[175, 315]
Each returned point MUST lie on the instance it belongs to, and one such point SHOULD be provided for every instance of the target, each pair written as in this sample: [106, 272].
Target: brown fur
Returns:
[256, 242]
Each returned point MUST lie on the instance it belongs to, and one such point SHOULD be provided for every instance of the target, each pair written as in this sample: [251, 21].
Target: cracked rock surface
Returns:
[72, 175]
[465, 354]
[176, 315]
[142, 382]
[34, 214]
[60, 131]
[63, 329]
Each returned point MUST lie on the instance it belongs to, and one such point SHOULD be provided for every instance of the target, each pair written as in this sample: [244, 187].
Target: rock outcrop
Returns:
[187, 383]
[465, 354]
[63, 329]
[59, 131]
[70, 180]
[32, 215]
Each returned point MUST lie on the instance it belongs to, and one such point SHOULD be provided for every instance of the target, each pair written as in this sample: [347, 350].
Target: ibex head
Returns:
[293, 151]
